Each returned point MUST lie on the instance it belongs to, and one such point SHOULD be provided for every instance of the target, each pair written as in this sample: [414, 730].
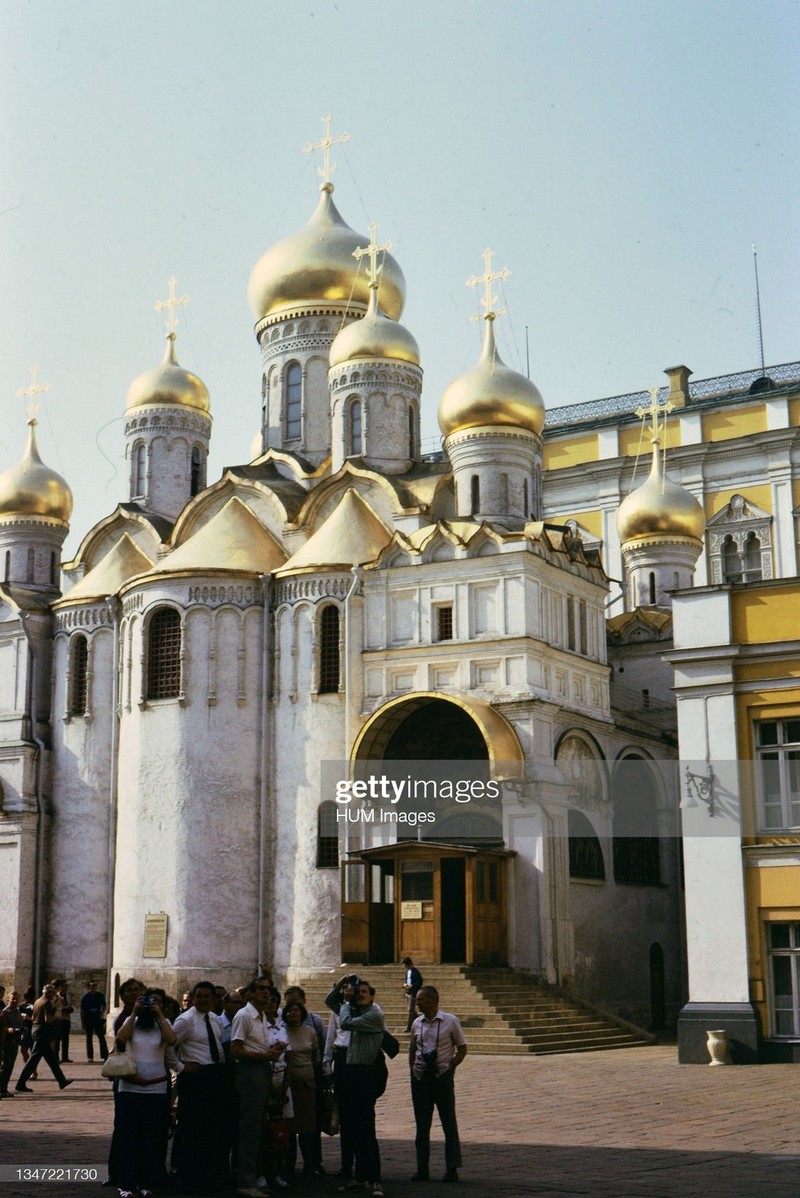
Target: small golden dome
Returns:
[316, 265]
[374, 336]
[491, 393]
[169, 383]
[32, 489]
[659, 508]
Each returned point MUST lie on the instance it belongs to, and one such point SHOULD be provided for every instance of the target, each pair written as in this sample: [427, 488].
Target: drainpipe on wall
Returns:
[113, 794]
[264, 763]
[357, 573]
[38, 890]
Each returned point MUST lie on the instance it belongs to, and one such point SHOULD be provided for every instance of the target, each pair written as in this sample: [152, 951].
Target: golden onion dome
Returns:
[169, 384]
[316, 265]
[33, 489]
[374, 336]
[491, 393]
[659, 508]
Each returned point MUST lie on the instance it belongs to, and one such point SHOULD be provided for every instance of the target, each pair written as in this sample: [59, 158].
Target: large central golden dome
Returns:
[491, 393]
[169, 383]
[659, 508]
[316, 265]
[374, 336]
[33, 489]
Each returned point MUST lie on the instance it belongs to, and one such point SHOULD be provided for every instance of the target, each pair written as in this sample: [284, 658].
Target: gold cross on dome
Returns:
[325, 145]
[171, 303]
[371, 251]
[31, 392]
[658, 413]
[488, 299]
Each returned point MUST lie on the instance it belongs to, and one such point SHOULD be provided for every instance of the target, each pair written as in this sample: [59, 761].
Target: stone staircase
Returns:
[501, 1011]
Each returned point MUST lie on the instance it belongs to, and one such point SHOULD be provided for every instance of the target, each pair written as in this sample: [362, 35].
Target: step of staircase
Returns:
[501, 1011]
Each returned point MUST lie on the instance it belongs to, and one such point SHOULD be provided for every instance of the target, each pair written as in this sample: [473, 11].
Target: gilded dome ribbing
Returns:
[170, 384]
[374, 336]
[491, 393]
[33, 489]
[316, 265]
[659, 508]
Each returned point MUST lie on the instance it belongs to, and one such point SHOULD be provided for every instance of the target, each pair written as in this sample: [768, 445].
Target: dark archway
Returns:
[437, 731]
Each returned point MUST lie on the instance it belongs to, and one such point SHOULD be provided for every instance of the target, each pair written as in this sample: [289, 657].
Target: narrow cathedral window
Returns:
[329, 650]
[412, 434]
[355, 427]
[53, 570]
[475, 495]
[327, 836]
[31, 565]
[294, 388]
[444, 622]
[196, 482]
[652, 586]
[164, 655]
[7, 576]
[79, 677]
[139, 471]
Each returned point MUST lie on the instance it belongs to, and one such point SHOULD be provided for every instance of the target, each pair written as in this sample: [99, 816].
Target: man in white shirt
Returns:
[254, 1053]
[201, 1148]
[437, 1048]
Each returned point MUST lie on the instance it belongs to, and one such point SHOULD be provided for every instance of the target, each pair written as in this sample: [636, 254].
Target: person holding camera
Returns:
[437, 1048]
[363, 1078]
[142, 1105]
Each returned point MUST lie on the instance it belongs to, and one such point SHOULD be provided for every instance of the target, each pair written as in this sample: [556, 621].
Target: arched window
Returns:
[164, 654]
[196, 482]
[585, 852]
[7, 572]
[637, 855]
[412, 433]
[139, 472]
[752, 558]
[526, 511]
[731, 562]
[79, 677]
[294, 393]
[475, 494]
[354, 431]
[329, 650]
[651, 581]
[31, 565]
[327, 836]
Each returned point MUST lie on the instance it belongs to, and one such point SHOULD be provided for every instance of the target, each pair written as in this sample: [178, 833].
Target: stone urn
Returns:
[718, 1047]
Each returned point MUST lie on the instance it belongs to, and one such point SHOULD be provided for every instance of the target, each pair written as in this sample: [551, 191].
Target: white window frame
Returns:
[790, 821]
[793, 954]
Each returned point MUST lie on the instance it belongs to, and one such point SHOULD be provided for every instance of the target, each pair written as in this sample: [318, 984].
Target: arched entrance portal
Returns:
[433, 891]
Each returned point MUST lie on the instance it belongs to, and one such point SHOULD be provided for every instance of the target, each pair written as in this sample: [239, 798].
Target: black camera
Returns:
[353, 980]
[429, 1059]
[148, 1002]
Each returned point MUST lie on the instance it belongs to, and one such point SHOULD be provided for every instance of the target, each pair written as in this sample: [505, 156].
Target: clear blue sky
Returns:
[619, 157]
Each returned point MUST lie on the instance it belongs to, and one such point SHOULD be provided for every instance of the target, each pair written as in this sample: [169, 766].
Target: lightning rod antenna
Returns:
[758, 309]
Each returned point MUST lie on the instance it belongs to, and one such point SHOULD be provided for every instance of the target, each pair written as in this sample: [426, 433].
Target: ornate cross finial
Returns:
[658, 413]
[171, 303]
[371, 251]
[487, 278]
[325, 145]
[31, 392]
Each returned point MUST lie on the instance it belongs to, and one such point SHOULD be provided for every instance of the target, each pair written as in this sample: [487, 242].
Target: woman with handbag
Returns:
[142, 1108]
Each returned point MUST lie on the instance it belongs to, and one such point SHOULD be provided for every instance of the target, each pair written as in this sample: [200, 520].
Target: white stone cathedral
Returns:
[168, 696]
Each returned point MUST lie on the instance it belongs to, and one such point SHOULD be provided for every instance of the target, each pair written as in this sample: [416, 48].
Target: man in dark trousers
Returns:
[411, 985]
[93, 1011]
[436, 1050]
[201, 1145]
[46, 1014]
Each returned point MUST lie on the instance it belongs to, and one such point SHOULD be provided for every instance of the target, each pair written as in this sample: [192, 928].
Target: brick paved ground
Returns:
[624, 1124]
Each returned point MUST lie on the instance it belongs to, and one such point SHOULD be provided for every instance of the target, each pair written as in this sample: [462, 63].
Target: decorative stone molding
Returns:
[295, 589]
[240, 595]
[83, 617]
[736, 523]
